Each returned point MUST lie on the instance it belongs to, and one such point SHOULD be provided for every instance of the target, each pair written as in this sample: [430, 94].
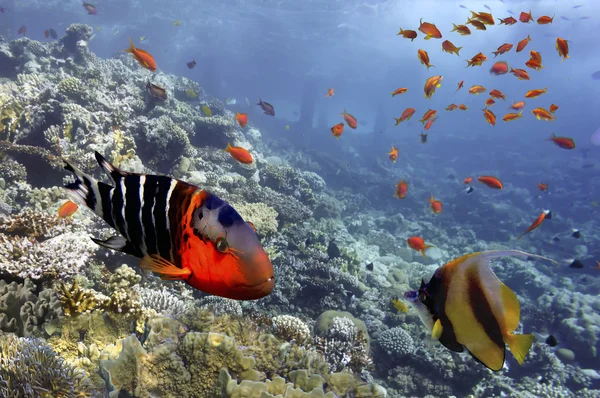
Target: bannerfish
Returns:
[267, 108]
[465, 305]
[179, 231]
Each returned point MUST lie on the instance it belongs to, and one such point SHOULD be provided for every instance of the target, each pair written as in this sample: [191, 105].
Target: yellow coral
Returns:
[76, 300]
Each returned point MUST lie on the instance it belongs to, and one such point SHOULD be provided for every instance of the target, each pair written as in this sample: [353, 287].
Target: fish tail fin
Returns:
[455, 27]
[85, 190]
[401, 32]
[519, 345]
[397, 121]
[131, 48]
[228, 149]
[457, 50]
[431, 199]
[344, 114]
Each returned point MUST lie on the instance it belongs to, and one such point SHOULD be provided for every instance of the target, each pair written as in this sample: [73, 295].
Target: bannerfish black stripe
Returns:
[437, 305]
[104, 191]
[150, 189]
[118, 203]
[132, 209]
[161, 219]
[482, 310]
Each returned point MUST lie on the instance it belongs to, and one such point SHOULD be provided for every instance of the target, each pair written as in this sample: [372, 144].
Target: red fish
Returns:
[520, 73]
[553, 108]
[330, 93]
[398, 91]
[506, 47]
[417, 243]
[525, 18]
[542, 187]
[460, 85]
[406, 115]
[429, 30]
[67, 209]
[144, 58]
[563, 142]
[393, 154]
[562, 46]
[337, 130]
[90, 8]
[180, 231]
[546, 214]
[518, 105]
[429, 123]
[240, 154]
[499, 68]
[407, 34]
[468, 180]
[544, 20]
[491, 182]
[436, 205]
[523, 43]
[242, 119]
[401, 189]
[507, 21]
[350, 120]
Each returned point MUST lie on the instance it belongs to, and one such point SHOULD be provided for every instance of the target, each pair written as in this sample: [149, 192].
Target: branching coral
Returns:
[76, 300]
[291, 328]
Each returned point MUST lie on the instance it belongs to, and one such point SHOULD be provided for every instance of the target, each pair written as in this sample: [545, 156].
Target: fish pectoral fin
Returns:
[437, 330]
[164, 268]
[118, 243]
[519, 345]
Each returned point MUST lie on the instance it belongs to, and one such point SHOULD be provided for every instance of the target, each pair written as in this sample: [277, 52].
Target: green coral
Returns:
[262, 216]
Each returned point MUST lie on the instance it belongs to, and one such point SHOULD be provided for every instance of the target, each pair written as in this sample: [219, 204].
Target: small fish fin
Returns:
[228, 149]
[427, 37]
[488, 255]
[437, 330]
[118, 243]
[519, 345]
[131, 48]
[164, 268]
[114, 173]
[512, 308]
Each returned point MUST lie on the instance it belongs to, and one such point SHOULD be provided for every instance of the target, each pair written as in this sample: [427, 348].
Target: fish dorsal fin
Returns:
[437, 330]
[114, 173]
[512, 308]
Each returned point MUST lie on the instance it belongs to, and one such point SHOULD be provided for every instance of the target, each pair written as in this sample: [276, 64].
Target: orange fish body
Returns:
[525, 18]
[406, 115]
[483, 17]
[417, 243]
[489, 117]
[563, 142]
[520, 73]
[145, 59]
[398, 91]
[553, 108]
[450, 48]
[536, 93]
[477, 24]
[544, 20]
[429, 123]
[491, 182]
[477, 90]
[393, 154]
[461, 29]
[407, 34]
[506, 47]
[542, 114]
[523, 43]
[460, 85]
[468, 180]
[67, 209]
[242, 119]
[240, 154]
[463, 107]
[431, 84]
[350, 120]
[330, 93]
[512, 116]
[507, 21]
[401, 189]
[518, 105]
[489, 102]
[562, 46]
[429, 30]
[533, 64]
[477, 60]
[542, 187]
[428, 115]
[536, 56]
[538, 221]
[497, 94]
[179, 231]
[451, 107]
[424, 58]
[436, 205]
[499, 68]
[337, 130]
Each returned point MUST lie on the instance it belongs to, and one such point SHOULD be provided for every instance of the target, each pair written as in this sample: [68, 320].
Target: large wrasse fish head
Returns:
[180, 231]
[465, 305]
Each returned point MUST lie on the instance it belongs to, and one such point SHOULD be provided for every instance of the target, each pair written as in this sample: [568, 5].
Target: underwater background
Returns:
[328, 203]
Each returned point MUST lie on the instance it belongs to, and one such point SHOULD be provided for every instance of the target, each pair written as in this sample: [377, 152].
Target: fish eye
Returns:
[222, 245]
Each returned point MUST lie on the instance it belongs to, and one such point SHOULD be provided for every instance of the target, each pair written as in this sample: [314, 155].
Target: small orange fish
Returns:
[521, 74]
[497, 94]
[563, 142]
[461, 29]
[523, 43]
[562, 46]
[429, 30]
[429, 123]
[431, 84]
[477, 24]
[544, 20]
[240, 154]
[337, 130]
[536, 56]
[330, 93]
[546, 214]
[533, 64]
[553, 108]
[517, 105]
[417, 243]
[424, 58]
[512, 116]
[436, 205]
[428, 115]
[491, 182]
[67, 209]
[525, 18]
[451, 107]
[393, 154]
[477, 90]
[460, 85]
[463, 107]
[401, 189]
[450, 48]
[350, 120]
[477, 60]
[506, 47]
[535, 93]
[144, 58]
[499, 68]
[489, 102]
[398, 91]
[406, 115]
[489, 117]
[507, 21]
[242, 119]
[484, 17]
[468, 180]
[407, 34]
[542, 187]
[541, 113]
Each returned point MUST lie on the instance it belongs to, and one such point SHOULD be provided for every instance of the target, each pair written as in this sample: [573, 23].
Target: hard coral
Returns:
[262, 216]
[76, 300]
[291, 328]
